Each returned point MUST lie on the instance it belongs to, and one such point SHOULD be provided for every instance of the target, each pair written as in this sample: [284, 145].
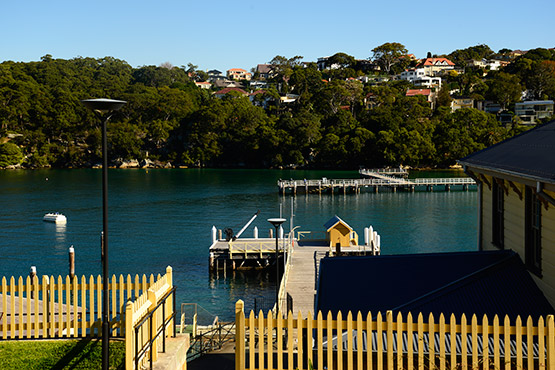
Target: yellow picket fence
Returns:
[384, 342]
[149, 322]
[64, 307]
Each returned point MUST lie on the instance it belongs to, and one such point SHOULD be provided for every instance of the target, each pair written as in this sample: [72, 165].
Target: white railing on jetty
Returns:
[395, 171]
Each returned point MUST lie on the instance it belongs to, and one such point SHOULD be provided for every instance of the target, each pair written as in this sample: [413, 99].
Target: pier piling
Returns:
[71, 262]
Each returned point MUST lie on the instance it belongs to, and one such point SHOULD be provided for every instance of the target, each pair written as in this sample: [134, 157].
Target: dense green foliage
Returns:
[169, 119]
[59, 354]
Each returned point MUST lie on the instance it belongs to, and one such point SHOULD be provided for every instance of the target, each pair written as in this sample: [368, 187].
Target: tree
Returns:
[388, 54]
[10, 154]
[541, 80]
[477, 52]
[504, 88]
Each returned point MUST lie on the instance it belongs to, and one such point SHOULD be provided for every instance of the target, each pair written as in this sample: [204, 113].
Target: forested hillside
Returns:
[169, 119]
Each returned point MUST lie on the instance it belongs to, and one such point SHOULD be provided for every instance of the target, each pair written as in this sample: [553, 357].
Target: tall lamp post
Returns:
[277, 223]
[105, 108]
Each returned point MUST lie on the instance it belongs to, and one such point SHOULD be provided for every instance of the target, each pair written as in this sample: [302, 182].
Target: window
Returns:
[498, 225]
[533, 231]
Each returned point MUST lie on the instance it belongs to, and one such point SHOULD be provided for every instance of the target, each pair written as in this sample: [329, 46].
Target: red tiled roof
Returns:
[258, 92]
[414, 92]
[236, 70]
[436, 61]
[229, 89]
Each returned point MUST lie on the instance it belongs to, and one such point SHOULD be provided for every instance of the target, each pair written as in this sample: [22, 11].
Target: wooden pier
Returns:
[243, 254]
[344, 186]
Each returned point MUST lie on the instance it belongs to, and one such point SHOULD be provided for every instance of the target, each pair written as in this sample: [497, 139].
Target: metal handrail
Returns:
[162, 330]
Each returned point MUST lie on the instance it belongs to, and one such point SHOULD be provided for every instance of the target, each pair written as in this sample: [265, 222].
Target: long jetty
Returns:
[375, 183]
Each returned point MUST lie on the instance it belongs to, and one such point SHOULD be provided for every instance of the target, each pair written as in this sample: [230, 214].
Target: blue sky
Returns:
[241, 34]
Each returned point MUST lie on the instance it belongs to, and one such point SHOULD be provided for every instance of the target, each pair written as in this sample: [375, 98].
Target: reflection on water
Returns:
[60, 234]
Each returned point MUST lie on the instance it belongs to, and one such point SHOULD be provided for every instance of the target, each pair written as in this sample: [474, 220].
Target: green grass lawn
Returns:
[59, 354]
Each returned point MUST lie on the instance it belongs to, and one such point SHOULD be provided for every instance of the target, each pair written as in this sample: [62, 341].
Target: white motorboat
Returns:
[55, 217]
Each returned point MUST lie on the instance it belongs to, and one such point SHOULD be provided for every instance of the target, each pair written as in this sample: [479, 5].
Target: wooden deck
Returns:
[301, 279]
[245, 253]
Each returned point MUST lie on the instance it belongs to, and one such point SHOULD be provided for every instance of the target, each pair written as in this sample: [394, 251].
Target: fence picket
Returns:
[518, 325]
[4, 308]
[474, 331]
[496, 343]
[541, 342]
[389, 336]
[29, 306]
[452, 333]
[279, 335]
[507, 342]
[420, 326]
[252, 337]
[529, 343]
[310, 340]
[20, 306]
[485, 343]
[320, 340]
[431, 342]
[441, 332]
[349, 340]
[379, 334]
[329, 338]
[270, 328]
[300, 327]
[410, 348]
[36, 294]
[261, 339]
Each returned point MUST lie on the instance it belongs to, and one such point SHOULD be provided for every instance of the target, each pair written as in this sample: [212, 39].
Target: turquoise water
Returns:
[164, 217]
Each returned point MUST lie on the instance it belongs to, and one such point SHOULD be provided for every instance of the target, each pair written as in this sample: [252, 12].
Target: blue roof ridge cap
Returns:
[472, 276]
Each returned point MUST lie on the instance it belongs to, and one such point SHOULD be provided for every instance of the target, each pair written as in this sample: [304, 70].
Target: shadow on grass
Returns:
[84, 354]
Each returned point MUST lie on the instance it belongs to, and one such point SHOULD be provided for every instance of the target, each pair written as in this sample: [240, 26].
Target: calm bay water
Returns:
[163, 217]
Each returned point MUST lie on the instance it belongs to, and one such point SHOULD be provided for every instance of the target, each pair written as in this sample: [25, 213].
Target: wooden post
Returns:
[71, 262]
[240, 335]
[169, 302]
[154, 348]
[32, 275]
[129, 335]
[550, 343]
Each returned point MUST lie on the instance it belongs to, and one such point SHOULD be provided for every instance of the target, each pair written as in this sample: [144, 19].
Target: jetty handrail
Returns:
[392, 170]
[289, 252]
[387, 341]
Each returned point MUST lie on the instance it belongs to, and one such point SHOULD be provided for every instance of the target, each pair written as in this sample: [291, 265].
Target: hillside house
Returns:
[516, 185]
[436, 66]
[458, 103]
[430, 96]
[238, 74]
[532, 111]
[223, 92]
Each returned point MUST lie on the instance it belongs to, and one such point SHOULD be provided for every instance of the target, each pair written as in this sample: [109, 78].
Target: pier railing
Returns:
[387, 342]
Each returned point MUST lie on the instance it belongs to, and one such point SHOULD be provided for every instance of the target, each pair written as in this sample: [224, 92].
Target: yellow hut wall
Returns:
[514, 232]
[340, 234]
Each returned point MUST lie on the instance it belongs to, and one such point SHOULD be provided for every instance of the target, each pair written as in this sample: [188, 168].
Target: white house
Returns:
[532, 111]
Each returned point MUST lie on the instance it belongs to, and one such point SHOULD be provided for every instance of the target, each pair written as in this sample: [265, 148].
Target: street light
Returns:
[277, 222]
[104, 107]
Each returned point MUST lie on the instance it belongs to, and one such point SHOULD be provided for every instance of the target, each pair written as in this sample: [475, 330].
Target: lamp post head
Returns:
[276, 221]
[103, 105]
